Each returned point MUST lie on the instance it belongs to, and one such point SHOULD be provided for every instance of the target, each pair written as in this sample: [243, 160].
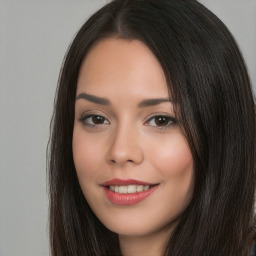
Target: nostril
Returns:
[113, 161]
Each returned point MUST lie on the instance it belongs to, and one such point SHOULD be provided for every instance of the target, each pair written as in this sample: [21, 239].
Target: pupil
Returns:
[97, 119]
[160, 121]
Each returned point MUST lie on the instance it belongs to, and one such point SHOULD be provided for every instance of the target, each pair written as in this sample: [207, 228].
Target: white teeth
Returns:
[146, 187]
[129, 189]
[139, 188]
[122, 189]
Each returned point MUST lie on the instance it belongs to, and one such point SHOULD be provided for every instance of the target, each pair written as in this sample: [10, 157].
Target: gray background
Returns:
[34, 36]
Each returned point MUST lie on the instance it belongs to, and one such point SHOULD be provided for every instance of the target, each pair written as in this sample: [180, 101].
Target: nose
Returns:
[124, 147]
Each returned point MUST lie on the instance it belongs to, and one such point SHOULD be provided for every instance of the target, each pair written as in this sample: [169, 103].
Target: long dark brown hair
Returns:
[209, 84]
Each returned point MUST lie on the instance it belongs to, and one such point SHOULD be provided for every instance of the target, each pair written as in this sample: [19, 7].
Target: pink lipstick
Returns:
[127, 192]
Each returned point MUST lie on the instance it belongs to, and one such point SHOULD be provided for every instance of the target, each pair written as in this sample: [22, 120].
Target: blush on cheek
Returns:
[172, 161]
[172, 151]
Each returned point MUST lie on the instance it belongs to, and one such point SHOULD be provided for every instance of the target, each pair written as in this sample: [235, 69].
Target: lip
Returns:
[127, 199]
[121, 182]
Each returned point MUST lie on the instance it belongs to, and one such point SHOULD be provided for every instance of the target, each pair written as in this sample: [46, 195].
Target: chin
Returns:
[136, 224]
[130, 229]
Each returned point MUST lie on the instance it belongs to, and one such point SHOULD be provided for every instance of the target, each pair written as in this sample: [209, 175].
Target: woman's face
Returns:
[132, 160]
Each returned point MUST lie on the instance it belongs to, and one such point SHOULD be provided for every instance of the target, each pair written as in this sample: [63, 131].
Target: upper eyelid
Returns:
[90, 115]
[85, 114]
[173, 119]
[160, 114]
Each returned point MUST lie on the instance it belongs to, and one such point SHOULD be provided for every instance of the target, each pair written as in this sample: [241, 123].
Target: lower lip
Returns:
[127, 199]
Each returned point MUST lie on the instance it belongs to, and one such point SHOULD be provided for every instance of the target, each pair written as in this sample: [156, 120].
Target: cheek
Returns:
[172, 156]
[87, 155]
[174, 162]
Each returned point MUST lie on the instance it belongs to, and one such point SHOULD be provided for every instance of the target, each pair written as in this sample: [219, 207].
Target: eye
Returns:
[93, 120]
[161, 121]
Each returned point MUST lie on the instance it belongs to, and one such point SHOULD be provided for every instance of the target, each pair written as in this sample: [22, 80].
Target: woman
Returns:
[153, 136]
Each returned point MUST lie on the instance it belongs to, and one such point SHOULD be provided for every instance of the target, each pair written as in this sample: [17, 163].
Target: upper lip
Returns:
[123, 182]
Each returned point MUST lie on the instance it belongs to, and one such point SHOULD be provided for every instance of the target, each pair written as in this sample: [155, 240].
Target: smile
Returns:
[130, 188]
[127, 192]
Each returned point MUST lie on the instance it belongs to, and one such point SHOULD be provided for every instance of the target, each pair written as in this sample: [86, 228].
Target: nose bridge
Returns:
[125, 144]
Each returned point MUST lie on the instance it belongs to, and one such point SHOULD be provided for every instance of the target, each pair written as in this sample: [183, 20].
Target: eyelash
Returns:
[84, 120]
[171, 121]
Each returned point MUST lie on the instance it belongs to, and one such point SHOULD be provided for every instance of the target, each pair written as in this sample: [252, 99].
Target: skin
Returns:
[130, 144]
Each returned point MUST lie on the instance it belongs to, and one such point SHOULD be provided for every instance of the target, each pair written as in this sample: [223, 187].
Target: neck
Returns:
[150, 245]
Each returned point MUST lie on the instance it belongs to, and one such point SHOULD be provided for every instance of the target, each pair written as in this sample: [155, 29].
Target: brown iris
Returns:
[98, 120]
[162, 120]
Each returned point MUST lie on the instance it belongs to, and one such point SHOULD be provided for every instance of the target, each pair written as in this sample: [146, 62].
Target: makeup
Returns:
[127, 192]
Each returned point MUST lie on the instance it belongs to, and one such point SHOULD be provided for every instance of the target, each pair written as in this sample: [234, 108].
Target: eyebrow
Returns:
[94, 99]
[106, 102]
[152, 102]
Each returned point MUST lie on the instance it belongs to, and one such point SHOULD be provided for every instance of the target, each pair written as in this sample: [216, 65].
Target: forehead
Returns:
[118, 65]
